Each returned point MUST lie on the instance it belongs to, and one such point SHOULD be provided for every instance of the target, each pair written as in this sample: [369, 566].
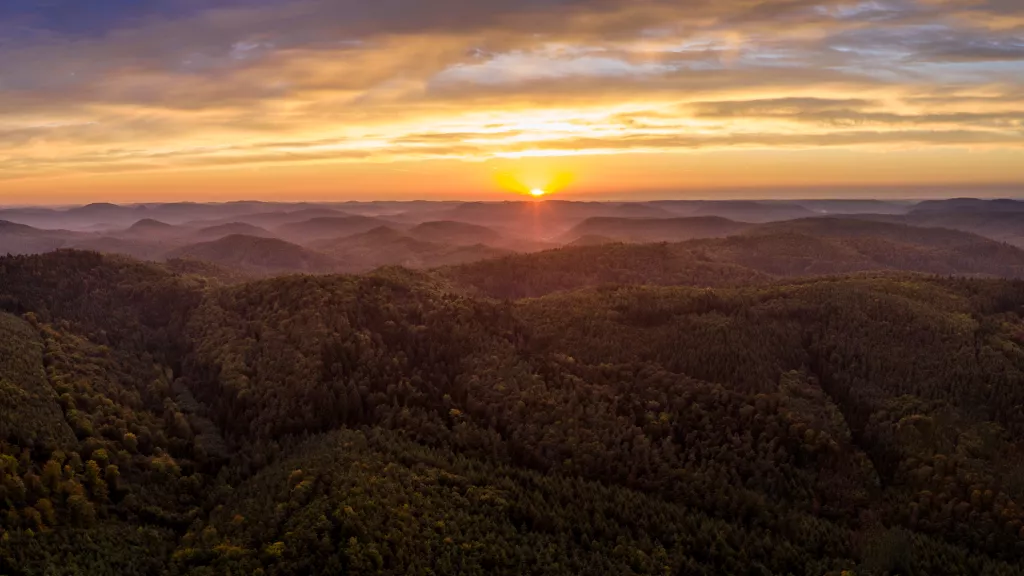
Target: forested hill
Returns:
[808, 247]
[171, 424]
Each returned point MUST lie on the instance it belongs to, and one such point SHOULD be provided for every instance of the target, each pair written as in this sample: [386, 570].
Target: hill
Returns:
[837, 207]
[1002, 226]
[386, 246]
[142, 249]
[386, 423]
[315, 229]
[148, 226]
[544, 220]
[969, 205]
[207, 271]
[21, 239]
[376, 237]
[591, 240]
[803, 247]
[257, 255]
[230, 229]
[746, 406]
[655, 230]
[29, 412]
[532, 275]
[737, 210]
[455, 233]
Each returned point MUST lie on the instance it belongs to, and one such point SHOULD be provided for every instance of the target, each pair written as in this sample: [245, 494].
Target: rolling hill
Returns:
[149, 228]
[257, 255]
[455, 233]
[736, 210]
[312, 230]
[544, 220]
[22, 239]
[643, 230]
[143, 249]
[821, 396]
[846, 206]
[384, 423]
[1002, 226]
[386, 246]
[803, 247]
[230, 229]
[969, 205]
[591, 240]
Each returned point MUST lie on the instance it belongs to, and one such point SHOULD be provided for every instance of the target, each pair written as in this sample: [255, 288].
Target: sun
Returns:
[537, 192]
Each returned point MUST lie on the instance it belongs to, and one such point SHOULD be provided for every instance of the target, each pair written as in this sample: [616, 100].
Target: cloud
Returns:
[157, 85]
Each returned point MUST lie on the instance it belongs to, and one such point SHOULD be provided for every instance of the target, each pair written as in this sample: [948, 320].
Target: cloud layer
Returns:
[180, 84]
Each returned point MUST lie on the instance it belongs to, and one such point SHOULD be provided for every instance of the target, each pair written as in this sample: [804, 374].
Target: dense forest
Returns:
[787, 401]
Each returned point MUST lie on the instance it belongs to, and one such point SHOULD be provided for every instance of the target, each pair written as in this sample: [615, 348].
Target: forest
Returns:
[800, 398]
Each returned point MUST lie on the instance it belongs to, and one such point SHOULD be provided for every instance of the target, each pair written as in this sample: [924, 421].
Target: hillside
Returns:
[591, 240]
[376, 237]
[230, 229]
[29, 412]
[1002, 226]
[645, 230]
[315, 229]
[262, 214]
[969, 205]
[386, 246]
[531, 275]
[274, 218]
[21, 239]
[645, 371]
[736, 210]
[544, 220]
[148, 227]
[142, 249]
[847, 206]
[796, 248]
[386, 423]
[455, 233]
[257, 255]
[895, 230]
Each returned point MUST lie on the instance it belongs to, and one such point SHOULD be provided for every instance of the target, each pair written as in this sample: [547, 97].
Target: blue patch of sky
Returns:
[78, 18]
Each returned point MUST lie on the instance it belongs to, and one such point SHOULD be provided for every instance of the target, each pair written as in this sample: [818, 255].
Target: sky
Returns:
[217, 100]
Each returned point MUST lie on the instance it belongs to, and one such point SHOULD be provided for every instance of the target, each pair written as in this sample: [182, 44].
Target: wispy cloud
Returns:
[179, 83]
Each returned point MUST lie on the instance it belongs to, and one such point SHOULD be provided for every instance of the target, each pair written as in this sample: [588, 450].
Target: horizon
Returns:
[231, 99]
[890, 194]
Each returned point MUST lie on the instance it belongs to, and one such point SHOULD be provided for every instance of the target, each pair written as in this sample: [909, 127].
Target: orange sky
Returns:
[609, 99]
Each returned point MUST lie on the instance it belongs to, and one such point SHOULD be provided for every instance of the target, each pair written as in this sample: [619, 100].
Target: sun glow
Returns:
[537, 184]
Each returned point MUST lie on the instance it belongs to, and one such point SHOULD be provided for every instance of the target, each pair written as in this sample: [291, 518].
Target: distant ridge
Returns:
[257, 255]
[810, 247]
[327, 227]
[231, 229]
[655, 230]
[459, 233]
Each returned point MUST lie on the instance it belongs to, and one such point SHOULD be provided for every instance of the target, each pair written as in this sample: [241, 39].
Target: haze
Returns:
[175, 100]
[512, 287]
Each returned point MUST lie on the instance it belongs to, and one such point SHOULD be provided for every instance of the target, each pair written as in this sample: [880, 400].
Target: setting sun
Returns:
[537, 192]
